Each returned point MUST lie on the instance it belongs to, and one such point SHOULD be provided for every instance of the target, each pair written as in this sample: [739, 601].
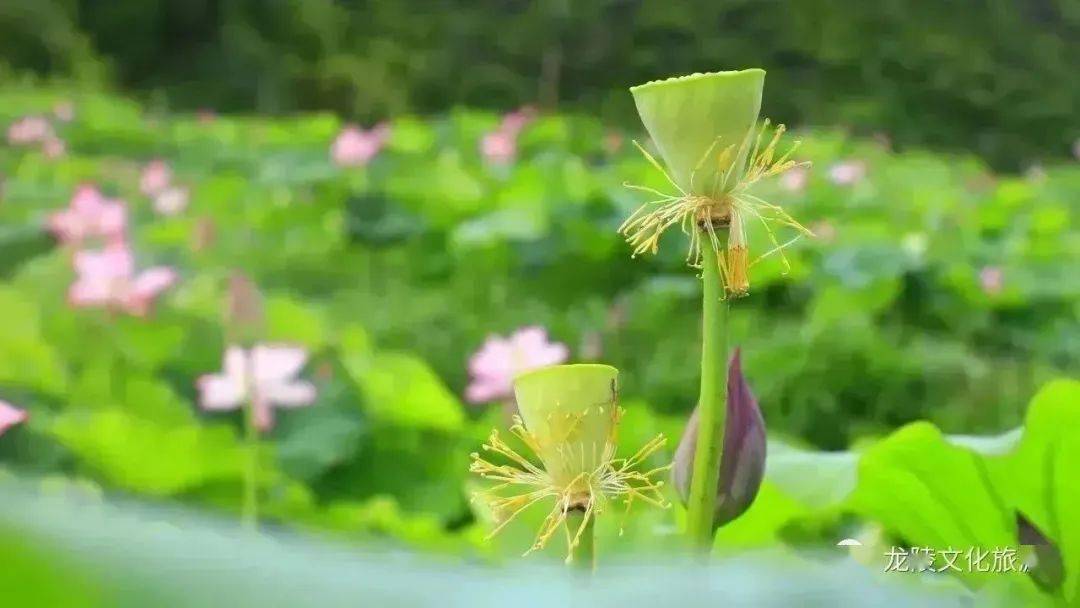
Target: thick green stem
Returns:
[712, 404]
[583, 556]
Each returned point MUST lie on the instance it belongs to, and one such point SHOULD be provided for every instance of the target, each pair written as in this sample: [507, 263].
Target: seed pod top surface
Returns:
[692, 117]
[570, 410]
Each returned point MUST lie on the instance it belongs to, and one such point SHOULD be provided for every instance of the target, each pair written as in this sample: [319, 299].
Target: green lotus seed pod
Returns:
[570, 411]
[694, 119]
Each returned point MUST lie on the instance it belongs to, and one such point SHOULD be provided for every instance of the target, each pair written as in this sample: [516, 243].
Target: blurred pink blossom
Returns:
[29, 130]
[499, 146]
[499, 360]
[795, 179]
[206, 116]
[107, 278]
[88, 215]
[824, 230]
[991, 279]
[64, 111]
[1076, 149]
[265, 375]
[515, 121]
[53, 148]
[171, 201]
[156, 176]
[355, 147]
[613, 142]
[847, 172]
[10, 416]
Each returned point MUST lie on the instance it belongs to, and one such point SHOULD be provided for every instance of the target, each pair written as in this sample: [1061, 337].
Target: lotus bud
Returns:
[742, 461]
[245, 310]
[569, 420]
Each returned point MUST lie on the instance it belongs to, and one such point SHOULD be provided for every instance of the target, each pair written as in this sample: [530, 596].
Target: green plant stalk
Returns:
[249, 513]
[711, 403]
[583, 555]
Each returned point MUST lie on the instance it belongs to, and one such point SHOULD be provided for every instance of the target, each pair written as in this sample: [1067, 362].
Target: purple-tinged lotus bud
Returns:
[742, 462]
[245, 309]
[1047, 570]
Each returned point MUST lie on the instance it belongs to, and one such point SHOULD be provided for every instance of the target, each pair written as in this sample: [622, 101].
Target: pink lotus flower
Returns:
[499, 146]
[171, 201]
[613, 142]
[795, 179]
[10, 416]
[155, 178]
[992, 280]
[89, 215]
[355, 147]
[29, 130]
[263, 375]
[499, 360]
[824, 230]
[53, 148]
[515, 121]
[847, 172]
[64, 111]
[107, 278]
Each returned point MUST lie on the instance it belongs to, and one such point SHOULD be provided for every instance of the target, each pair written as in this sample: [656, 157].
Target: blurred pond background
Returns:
[390, 207]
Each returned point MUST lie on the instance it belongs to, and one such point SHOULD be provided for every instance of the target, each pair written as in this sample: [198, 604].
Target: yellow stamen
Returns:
[611, 479]
[729, 203]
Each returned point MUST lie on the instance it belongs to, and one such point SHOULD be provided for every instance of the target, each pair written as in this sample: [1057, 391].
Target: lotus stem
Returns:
[583, 555]
[712, 406]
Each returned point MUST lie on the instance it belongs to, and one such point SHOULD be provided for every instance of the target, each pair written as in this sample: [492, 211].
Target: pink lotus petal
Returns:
[355, 147]
[613, 141]
[219, 392]
[265, 376]
[484, 392]
[156, 176]
[53, 148]
[29, 130]
[64, 111]
[235, 363]
[102, 275]
[171, 202]
[992, 280]
[145, 288]
[515, 121]
[795, 179]
[107, 278]
[498, 361]
[10, 416]
[847, 173]
[298, 393]
[89, 214]
[493, 359]
[277, 362]
[498, 148]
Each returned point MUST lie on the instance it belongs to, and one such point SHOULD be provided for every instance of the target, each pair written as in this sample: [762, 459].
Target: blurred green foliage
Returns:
[995, 77]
